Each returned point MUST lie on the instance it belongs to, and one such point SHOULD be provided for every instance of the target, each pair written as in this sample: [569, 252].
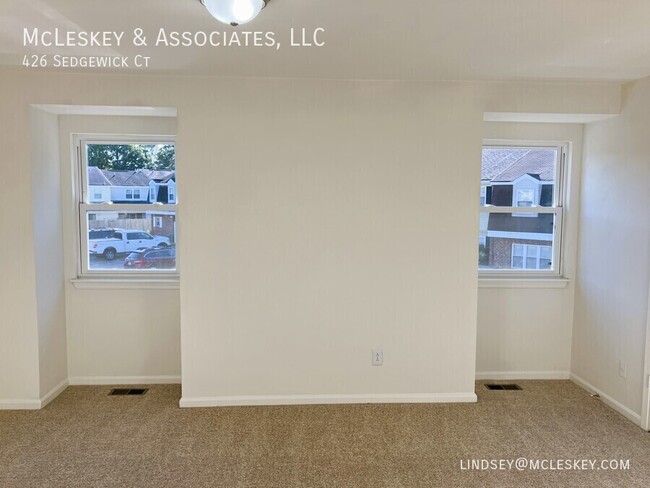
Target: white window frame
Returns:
[557, 209]
[483, 196]
[83, 205]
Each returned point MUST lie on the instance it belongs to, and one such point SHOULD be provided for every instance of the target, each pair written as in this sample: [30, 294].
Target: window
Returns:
[117, 219]
[172, 197]
[525, 198]
[525, 256]
[521, 209]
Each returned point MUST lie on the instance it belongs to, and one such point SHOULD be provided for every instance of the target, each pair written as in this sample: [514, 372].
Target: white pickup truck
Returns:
[125, 241]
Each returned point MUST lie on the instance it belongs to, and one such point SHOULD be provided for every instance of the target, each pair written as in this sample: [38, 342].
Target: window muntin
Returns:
[126, 173]
[521, 181]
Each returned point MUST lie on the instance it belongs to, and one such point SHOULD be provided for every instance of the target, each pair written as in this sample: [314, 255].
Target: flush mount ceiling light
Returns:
[234, 12]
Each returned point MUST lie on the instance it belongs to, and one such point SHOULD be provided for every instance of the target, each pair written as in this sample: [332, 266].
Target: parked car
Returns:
[125, 241]
[157, 258]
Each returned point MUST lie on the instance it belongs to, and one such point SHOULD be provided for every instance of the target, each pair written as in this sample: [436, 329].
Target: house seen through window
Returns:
[127, 205]
[521, 209]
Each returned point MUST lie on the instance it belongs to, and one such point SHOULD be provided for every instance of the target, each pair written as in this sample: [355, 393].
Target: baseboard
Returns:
[608, 400]
[20, 404]
[26, 404]
[233, 401]
[522, 375]
[124, 380]
[53, 393]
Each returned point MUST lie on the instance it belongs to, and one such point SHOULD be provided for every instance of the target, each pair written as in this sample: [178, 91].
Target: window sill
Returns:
[126, 284]
[523, 282]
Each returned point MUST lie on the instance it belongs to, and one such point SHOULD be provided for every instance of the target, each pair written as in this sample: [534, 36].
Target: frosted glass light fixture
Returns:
[234, 12]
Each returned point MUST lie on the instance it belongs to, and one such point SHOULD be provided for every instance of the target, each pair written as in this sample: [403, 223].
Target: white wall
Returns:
[326, 205]
[614, 253]
[19, 348]
[332, 234]
[116, 335]
[48, 251]
[525, 332]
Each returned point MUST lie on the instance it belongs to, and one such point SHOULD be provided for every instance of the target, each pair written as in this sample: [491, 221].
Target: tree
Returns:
[120, 156]
[165, 158]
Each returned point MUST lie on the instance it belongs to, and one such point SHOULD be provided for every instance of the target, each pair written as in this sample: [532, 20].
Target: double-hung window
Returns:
[125, 210]
[521, 209]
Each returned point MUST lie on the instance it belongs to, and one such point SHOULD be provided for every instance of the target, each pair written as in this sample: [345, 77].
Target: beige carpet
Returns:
[85, 438]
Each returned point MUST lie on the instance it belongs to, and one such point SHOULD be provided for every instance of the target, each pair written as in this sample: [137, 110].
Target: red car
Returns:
[156, 258]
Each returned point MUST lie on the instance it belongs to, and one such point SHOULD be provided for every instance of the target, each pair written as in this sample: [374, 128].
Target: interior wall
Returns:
[123, 335]
[19, 361]
[331, 235]
[525, 332]
[48, 251]
[614, 253]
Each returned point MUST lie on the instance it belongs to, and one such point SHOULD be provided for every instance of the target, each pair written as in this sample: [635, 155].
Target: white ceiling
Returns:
[585, 40]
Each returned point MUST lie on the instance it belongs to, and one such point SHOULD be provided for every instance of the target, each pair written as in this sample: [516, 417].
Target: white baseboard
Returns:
[248, 400]
[20, 404]
[124, 380]
[523, 375]
[608, 400]
[27, 404]
[53, 393]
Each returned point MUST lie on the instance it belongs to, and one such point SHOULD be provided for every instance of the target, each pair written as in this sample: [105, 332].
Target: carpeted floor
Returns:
[86, 438]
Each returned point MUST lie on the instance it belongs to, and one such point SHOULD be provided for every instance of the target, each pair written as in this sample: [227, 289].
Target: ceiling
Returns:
[581, 40]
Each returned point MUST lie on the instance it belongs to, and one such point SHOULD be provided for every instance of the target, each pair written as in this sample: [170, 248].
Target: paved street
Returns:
[98, 262]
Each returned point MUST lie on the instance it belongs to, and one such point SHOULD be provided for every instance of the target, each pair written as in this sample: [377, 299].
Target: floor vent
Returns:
[491, 386]
[128, 391]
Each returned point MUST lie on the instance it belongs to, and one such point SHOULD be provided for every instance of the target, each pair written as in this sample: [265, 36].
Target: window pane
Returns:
[116, 243]
[505, 169]
[532, 251]
[131, 173]
[525, 198]
[514, 242]
[545, 253]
